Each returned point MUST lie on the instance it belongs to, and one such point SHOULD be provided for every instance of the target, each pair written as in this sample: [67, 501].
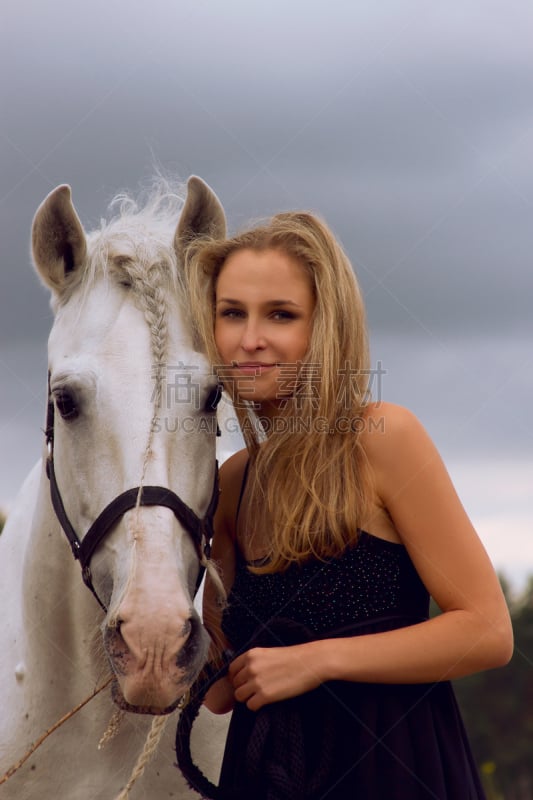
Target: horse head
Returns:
[131, 400]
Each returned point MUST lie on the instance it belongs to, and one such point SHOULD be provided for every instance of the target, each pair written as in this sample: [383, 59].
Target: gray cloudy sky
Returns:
[408, 125]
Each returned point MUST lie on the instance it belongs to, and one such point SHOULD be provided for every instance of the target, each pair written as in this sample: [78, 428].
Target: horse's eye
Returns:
[213, 398]
[66, 405]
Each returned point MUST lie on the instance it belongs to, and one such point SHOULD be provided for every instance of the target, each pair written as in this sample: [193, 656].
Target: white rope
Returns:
[150, 746]
[112, 728]
[214, 575]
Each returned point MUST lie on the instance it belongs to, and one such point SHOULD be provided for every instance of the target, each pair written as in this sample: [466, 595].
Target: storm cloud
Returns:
[407, 125]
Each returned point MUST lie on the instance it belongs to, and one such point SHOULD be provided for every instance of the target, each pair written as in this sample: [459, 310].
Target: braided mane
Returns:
[135, 248]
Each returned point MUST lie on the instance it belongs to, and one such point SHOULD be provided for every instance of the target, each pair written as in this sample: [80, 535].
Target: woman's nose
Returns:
[253, 338]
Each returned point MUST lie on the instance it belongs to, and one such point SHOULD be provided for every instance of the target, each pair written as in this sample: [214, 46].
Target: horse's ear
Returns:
[202, 215]
[58, 240]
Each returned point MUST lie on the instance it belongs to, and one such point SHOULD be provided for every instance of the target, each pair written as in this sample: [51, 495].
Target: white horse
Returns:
[131, 405]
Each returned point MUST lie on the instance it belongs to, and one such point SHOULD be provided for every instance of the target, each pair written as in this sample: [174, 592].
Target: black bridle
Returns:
[200, 530]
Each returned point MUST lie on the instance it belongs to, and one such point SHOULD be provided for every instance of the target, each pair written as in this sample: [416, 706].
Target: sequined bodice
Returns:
[373, 580]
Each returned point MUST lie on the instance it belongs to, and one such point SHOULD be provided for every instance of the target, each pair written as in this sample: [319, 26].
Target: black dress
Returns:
[344, 740]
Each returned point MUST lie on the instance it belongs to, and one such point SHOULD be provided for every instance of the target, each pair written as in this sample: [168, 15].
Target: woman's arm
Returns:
[220, 698]
[473, 632]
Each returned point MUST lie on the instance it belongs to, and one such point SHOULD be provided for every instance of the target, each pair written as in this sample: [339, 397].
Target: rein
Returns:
[194, 776]
[199, 529]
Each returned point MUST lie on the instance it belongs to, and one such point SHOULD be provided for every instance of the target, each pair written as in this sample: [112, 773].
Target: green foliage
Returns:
[497, 708]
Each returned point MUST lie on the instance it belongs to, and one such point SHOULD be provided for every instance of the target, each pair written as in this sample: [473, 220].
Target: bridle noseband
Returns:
[200, 530]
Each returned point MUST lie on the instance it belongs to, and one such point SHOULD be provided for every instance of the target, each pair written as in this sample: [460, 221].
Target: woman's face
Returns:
[264, 307]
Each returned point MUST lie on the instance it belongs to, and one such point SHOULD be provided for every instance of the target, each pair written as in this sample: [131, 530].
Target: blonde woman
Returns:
[334, 528]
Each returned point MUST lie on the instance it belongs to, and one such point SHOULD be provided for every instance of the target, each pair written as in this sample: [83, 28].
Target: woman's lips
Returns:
[252, 367]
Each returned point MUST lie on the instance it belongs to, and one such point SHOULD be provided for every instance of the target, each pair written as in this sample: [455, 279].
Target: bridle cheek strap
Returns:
[200, 530]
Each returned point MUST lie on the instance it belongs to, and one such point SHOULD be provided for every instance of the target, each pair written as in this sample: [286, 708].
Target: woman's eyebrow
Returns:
[228, 300]
[280, 302]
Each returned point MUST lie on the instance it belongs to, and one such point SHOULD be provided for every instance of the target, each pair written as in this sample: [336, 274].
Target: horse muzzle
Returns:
[154, 679]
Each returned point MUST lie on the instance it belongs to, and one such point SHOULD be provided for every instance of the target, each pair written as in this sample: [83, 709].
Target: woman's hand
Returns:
[220, 697]
[266, 675]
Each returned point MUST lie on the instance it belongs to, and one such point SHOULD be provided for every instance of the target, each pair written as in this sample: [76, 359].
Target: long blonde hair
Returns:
[310, 474]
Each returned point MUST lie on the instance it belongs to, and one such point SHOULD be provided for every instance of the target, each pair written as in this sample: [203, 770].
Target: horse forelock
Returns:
[135, 248]
[136, 243]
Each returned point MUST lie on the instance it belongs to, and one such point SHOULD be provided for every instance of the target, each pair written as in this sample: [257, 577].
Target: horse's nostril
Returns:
[193, 644]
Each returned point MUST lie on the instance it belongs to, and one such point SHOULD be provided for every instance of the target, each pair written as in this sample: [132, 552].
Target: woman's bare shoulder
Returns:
[233, 467]
[394, 413]
[231, 475]
[395, 442]
[388, 424]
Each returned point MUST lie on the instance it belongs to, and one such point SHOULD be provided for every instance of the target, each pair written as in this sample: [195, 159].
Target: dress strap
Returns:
[241, 493]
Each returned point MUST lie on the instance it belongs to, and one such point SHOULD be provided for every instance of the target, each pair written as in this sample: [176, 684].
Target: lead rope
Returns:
[11, 771]
[150, 746]
[210, 674]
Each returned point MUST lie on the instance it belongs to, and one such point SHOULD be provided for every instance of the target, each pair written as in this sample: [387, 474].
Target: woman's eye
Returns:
[213, 398]
[66, 405]
[282, 315]
[232, 313]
